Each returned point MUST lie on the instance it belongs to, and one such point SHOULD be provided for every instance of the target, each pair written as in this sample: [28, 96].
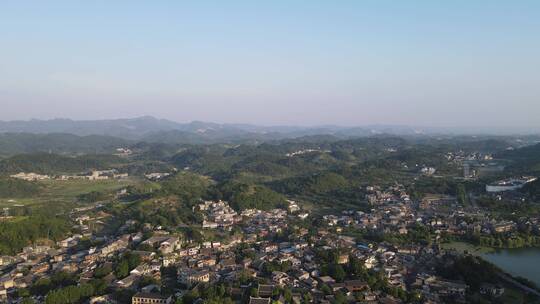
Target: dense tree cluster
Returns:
[127, 262]
[14, 188]
[503, 241]
[243, 196]
[70, 294]
[189, 187]
[57, 280]
[15, 235]
[474, 271]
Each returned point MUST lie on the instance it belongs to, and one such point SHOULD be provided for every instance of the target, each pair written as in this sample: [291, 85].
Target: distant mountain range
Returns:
[154, 130]
[124, 128]
[152, 135]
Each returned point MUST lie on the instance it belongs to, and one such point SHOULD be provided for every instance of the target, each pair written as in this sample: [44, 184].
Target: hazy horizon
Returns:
[458, 64]
[442, 130]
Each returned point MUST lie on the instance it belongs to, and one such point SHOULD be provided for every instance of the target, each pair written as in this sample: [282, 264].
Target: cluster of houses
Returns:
[92, 175]
[31, 176]
[218, 214]
[460, 156]
[96, 175]
[395, 212]
[306, 151]
[156, 176]
[257, 241]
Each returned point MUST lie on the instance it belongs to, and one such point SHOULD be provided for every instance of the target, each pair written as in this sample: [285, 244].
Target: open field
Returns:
[67, 191]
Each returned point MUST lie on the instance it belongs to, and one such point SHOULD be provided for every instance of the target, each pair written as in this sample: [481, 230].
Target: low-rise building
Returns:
[150, 298]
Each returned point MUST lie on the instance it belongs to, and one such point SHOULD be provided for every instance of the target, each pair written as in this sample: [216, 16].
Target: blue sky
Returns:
[433, 63]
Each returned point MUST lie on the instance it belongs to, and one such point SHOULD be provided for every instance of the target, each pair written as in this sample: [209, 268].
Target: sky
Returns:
[352, 63]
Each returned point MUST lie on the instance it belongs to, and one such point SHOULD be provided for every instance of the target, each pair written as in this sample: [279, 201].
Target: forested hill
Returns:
[101, 136]
[18, 143]
[533, 190]
[56, 164]
[525, 153]
[524, 160]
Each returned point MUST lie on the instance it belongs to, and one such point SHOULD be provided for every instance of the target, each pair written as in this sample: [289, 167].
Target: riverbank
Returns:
[513, 263]
[522, 262]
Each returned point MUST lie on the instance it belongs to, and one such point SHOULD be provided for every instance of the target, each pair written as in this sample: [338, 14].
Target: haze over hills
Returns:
[66, 136]
[152, 129]
[126, 128]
